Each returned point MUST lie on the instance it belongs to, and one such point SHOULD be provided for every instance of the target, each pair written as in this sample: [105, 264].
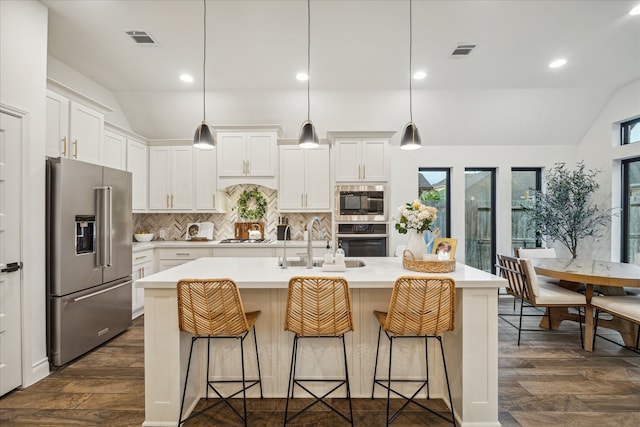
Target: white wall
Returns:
[66, 75]
[444, 117]
[23, 55]
[600, 148]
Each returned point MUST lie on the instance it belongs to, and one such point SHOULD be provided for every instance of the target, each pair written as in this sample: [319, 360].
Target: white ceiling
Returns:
[355, 46]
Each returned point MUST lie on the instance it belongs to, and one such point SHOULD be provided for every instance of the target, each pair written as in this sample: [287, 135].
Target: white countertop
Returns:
[140, 246]
[264, 273]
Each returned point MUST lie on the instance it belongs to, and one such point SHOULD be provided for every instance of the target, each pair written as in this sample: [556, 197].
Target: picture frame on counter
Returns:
[199, 231]
[445, 245]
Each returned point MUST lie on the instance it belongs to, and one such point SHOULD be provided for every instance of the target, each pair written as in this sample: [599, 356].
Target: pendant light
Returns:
[410, 139]
[308, 137]
[203, 137]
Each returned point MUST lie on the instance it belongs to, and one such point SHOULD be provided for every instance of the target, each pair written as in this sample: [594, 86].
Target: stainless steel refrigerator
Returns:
[89, 230]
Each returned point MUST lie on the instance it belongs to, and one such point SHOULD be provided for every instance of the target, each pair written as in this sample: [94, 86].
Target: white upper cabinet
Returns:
[304, 179]
[207, 197]
[361, 160]
[138, 165]
[73, 130]
[242, 154]
[171, 178]
[114, 150]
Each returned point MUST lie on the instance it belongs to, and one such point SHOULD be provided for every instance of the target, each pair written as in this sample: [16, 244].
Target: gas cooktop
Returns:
[245, 241]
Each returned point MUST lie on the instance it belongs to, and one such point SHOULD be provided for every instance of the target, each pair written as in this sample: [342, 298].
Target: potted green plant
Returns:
[565, 212]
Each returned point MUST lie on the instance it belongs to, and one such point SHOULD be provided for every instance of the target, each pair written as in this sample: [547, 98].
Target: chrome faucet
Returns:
[284, 251]
[309, 237]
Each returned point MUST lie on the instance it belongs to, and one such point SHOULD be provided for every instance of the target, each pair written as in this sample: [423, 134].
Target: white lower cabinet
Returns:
[173, 257]
[143, 265]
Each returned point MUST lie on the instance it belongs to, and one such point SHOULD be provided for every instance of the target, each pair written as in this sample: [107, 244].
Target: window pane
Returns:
[480, 218]
[630, 132]
[433, 190]
[631, 211]
[524, 183]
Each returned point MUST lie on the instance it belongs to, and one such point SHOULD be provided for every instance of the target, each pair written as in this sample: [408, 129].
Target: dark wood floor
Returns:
[547, 381]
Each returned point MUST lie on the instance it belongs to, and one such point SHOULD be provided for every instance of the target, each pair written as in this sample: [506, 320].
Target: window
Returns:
[630, 132]
[630, 210]
[433, 190]
[524, 184]
[480, 218]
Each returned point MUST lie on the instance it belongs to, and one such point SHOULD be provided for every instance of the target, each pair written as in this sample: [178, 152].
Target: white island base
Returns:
[471, 349]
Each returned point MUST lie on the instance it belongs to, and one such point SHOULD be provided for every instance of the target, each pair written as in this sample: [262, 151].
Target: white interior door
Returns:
[10, 251]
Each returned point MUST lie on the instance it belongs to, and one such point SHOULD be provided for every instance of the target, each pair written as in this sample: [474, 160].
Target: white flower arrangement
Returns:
[416, 216]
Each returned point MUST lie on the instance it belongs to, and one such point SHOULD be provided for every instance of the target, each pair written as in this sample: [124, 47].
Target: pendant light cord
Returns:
[204, 66]
[308, 56]
[410, 65]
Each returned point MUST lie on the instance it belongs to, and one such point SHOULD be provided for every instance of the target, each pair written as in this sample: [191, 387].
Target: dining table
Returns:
[608, 277]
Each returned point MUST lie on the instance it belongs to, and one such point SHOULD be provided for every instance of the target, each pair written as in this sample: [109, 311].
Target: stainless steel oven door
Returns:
[364, 245]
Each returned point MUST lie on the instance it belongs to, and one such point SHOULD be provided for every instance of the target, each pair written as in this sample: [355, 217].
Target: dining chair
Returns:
[524, 286]
[535, 253]
[318, 307]
[548, 253]
[421, 307]
[625, 307]
[211, 309]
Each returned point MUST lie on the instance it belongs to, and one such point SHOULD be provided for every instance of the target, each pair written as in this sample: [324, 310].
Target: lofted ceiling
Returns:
[255, 49]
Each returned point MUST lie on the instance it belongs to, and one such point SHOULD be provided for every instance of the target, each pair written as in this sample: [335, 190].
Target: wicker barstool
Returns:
[420, 307]
[211, 309]
[318, 307]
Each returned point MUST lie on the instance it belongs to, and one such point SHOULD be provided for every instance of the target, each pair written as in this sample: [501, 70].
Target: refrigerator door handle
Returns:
[105, 225]
[91, 295]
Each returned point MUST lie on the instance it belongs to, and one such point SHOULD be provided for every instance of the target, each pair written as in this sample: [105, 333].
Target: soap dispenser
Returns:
[328, 255]
[340, 254]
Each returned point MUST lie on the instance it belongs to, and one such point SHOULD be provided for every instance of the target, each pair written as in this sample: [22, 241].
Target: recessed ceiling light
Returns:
[558, 63]
[187, 78]
[635, 11]
[302, 76]
[419, 75]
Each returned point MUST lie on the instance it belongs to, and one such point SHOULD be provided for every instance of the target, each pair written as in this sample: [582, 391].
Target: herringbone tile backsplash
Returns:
[175, 224]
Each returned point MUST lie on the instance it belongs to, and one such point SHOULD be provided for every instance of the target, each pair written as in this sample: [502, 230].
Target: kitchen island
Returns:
[471, 349]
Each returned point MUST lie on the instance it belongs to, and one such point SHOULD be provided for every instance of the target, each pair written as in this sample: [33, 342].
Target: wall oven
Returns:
[365, 203]
[363, 240]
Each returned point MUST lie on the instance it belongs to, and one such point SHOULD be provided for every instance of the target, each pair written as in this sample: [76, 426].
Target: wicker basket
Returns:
[410, 263]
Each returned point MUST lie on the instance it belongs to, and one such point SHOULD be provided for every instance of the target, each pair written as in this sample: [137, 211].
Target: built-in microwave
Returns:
[361, 203]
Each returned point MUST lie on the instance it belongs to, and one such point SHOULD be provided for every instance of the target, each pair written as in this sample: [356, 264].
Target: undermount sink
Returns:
[350, 263]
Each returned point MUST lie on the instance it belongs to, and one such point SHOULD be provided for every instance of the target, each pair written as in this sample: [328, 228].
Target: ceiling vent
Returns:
[141, 38]
[463, 50]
